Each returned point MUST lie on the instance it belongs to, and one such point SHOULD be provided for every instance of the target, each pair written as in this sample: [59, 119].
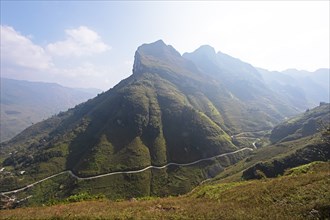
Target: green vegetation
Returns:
[308, 123]
[273, 160]
[309, 142]
[147, 119]
[169, 110]
[277, 166]
[301, 196]
[302, 169]
[82, 197]
[77, 198]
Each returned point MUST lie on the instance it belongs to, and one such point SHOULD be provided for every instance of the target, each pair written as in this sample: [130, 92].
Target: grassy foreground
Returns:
[302, 193]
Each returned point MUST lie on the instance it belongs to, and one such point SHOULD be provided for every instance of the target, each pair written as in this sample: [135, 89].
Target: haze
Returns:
[92, 44]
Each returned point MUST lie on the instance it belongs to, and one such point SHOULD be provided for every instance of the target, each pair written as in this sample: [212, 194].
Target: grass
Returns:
[153, 117]
[266, 154]
[302, 196]
[165, 113]
[170, 181]
[302, 169]
[308, 123]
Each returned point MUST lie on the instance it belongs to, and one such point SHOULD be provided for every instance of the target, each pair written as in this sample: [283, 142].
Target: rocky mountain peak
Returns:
[203, 52]
[153, 53]
[158, 49]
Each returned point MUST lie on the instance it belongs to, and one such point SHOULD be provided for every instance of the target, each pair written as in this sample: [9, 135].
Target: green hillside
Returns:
[307, 138]
[147, 119]
[309, 123]
[302, 193]
[169, 110]
[272, 159]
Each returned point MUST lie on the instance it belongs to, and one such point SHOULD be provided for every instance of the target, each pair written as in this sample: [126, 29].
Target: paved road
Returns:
[125, 172]
[243, 137]
[254, 143]
[32, 184]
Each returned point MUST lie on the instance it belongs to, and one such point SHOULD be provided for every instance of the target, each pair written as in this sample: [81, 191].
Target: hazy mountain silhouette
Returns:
[24, 103]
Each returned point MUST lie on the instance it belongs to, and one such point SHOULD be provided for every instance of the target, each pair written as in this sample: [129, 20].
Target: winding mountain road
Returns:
[254, 143]
[125, 172]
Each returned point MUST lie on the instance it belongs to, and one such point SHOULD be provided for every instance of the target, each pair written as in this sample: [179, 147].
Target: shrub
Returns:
[83, 197]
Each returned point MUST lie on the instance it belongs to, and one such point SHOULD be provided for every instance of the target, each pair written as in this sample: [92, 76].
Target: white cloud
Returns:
[83, 70]
[86, 75]
[18, 50]
[23, 59]
[78, 42]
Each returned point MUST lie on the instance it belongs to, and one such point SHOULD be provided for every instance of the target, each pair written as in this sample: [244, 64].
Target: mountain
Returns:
[245, 84]
[302, 88]
[306, 124]
[172, 109]
[297, 141]
[309, 133]
[24, 103]
[147, 119]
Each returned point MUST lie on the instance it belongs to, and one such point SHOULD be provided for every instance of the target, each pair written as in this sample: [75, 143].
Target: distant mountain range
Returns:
[172, 109]
[24, 103]
[302, 88]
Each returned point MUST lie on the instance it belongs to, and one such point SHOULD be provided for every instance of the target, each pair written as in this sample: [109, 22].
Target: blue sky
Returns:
[92, 43]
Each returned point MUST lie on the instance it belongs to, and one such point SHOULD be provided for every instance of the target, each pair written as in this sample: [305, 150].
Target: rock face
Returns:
[172, 108]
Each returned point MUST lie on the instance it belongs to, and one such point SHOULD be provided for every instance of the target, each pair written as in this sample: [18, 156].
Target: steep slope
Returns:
[306, 124]
[168, 110]
[244, 83]
[149, 112]
[297, 141]
[147, 119]
[23, 103]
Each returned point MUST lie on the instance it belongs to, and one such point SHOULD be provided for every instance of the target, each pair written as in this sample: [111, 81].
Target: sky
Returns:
[91, 44]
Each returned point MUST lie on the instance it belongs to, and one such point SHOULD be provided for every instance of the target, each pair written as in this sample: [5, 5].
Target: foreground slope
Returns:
[302, 193]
